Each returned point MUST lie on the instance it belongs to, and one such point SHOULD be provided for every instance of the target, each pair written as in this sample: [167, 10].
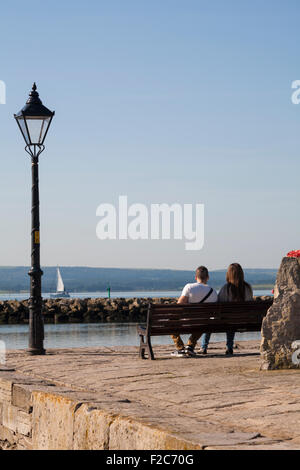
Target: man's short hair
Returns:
[202, 273]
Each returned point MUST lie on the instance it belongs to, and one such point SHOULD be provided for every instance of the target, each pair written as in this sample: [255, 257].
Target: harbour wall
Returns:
[39, 415]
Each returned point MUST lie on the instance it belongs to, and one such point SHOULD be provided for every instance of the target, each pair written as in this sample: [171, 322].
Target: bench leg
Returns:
[146, 346]
[150, 350]
[142, 347]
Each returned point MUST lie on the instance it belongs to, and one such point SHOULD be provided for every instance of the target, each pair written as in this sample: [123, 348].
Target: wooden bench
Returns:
[173, 319]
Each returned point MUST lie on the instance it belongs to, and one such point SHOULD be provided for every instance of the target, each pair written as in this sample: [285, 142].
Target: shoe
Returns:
[229, 352]
[189, 351]
[179, 353]
[203, 351]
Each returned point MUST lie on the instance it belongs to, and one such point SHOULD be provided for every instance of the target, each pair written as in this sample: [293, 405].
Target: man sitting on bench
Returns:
[196, 293]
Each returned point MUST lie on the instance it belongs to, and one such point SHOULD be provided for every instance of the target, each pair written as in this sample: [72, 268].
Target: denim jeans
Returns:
[230, 339]
[205, 340]
[229, 343]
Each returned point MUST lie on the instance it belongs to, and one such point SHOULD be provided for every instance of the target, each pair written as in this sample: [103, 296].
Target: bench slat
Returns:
[204, 321]
[206, 329]
[200, 324]
[207, 319]
[207, 314]
[222, 305]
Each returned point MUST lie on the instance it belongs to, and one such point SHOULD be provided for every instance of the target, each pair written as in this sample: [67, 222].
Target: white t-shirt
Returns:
[196, 292]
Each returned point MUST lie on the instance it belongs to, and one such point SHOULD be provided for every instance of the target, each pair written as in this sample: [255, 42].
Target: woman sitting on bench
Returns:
[235, 290]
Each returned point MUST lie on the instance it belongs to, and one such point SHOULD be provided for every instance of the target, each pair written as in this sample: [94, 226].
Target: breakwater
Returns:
[84, 310]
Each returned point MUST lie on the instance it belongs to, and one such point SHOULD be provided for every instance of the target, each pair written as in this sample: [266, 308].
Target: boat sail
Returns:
[60, 287]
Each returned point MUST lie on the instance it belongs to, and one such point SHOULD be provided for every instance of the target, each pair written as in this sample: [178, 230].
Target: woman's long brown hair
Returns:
[236, 284]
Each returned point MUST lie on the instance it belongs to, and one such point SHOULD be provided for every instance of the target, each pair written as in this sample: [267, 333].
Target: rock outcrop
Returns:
[281, 326]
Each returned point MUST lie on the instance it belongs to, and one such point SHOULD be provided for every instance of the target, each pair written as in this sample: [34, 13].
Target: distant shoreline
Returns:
[76, 280]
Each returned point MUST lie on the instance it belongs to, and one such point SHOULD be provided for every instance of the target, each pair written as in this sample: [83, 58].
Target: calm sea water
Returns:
[114, 295]
[92, 335]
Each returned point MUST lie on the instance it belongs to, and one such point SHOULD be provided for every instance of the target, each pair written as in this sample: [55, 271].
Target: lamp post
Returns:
[34, 121]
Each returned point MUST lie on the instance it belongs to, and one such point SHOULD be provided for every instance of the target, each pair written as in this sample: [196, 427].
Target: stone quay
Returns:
[108, 398]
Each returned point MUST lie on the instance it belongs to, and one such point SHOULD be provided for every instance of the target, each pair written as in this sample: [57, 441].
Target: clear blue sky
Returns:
[165, 101]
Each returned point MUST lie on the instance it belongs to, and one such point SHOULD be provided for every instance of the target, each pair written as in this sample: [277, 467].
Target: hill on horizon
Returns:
[86, 279]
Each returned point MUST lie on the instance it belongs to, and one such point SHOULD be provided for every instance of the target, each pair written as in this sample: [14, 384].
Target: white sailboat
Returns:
[60, 288]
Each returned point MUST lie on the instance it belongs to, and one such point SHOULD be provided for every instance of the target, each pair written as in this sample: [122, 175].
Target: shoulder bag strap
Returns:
[207, 295]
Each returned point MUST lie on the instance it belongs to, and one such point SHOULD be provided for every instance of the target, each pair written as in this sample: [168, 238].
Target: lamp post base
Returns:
[35, 352]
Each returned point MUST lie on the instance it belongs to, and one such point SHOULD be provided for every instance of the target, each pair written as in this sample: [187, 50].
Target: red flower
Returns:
[294, 254]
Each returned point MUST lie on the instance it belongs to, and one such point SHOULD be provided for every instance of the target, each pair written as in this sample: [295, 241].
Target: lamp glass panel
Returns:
[45, 128]
[36, 128]
[22, 124]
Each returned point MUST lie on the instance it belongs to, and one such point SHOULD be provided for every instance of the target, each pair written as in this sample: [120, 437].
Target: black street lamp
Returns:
[34, 121]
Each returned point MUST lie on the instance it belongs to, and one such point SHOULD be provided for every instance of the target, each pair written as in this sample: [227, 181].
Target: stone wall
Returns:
[83, 310]
[37, 415]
